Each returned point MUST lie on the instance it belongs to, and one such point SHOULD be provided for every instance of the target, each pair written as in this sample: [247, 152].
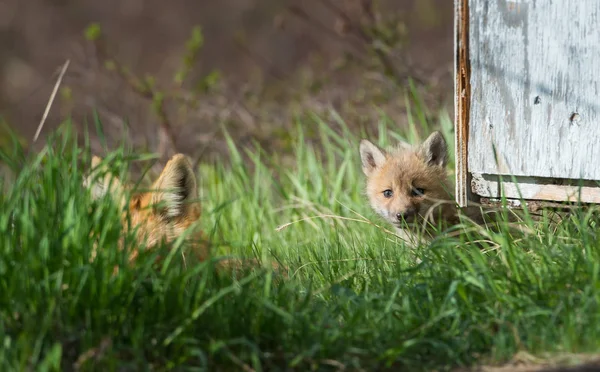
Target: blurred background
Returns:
[167, 76]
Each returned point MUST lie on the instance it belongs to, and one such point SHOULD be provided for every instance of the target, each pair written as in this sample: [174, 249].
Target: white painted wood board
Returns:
[535, 88]
[529, 188]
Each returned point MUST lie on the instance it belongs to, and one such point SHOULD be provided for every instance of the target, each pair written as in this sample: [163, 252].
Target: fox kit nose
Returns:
[406, 215]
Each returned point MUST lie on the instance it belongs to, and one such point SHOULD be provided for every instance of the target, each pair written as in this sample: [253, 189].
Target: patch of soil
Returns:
[524, 362]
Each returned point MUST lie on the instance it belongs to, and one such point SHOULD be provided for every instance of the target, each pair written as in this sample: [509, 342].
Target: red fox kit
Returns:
[408, 185]
[166, 211]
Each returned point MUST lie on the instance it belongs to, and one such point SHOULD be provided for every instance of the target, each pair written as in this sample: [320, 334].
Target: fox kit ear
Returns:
[371, 156]
[434, 150]
[174, 188]
[100, 185]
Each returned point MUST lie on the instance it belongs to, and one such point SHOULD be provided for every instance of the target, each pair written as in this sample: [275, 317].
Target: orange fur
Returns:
[165, 212]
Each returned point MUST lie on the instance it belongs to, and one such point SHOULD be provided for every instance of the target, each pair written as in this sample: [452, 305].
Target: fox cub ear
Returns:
[101, 182]
[371, 155]
[434, 150]
[174, 188]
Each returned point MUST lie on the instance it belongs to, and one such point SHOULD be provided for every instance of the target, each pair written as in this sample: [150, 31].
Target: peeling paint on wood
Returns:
[535, 88]
[532, 188]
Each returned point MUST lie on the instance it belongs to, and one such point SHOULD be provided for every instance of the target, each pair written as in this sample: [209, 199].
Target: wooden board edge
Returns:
[535, 189]
[462, 99]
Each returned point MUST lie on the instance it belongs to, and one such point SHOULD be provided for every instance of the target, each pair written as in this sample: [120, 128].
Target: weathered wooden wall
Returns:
[527, 99]
[534, 88]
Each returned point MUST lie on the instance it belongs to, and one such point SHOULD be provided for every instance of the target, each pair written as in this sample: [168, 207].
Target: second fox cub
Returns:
[408, 185]
[165, 212]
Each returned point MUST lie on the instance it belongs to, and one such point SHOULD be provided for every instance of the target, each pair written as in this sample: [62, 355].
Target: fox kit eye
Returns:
[388, 193]
[417, 191]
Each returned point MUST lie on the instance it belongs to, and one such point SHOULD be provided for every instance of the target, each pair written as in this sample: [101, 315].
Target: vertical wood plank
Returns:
[462, 98]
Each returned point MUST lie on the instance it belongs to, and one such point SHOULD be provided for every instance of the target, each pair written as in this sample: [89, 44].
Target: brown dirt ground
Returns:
[286, 65]
[524, 362]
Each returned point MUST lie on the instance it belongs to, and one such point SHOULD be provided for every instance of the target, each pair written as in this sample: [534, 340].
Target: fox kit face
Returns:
[404, 184]
[164, 212]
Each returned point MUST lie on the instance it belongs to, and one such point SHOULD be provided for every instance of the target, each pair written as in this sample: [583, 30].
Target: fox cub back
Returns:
[408, 185]
[164, 212]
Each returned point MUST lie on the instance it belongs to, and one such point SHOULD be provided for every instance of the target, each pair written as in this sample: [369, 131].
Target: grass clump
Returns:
[356, 297]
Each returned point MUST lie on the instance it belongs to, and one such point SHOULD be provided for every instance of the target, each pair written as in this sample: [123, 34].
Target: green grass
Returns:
[355, 297]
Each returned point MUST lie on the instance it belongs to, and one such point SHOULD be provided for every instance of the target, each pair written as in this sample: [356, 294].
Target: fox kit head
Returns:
[404, 183]
[162, 213]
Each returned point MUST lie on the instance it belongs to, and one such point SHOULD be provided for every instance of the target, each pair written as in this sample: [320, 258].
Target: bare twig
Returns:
[51, 99]
[166, 135]
[303, 15]
[370, 37]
